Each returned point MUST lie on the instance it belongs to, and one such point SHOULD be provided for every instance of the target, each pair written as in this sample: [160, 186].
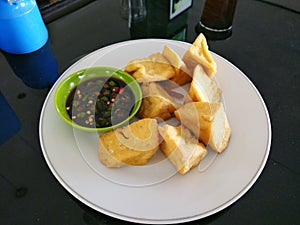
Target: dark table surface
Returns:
[265, 45]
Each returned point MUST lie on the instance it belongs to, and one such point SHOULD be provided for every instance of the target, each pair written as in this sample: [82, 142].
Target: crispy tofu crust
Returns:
[156, 102]
[133, 144]
[181, 147]
[153, 68]
[208, 122]
[182, 73]
[198, 53]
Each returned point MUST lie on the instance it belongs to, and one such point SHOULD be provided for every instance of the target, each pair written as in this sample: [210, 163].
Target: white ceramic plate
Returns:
[144, 195]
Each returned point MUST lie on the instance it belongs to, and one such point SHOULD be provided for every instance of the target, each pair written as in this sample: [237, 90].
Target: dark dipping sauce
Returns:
[100, 102]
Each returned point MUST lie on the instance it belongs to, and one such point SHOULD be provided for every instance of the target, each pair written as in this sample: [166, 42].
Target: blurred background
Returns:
[53, 9]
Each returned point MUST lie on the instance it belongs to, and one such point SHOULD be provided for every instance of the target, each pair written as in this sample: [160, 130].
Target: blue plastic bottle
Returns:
[22, 29]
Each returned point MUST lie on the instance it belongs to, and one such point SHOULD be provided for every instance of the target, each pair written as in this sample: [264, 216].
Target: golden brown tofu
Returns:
[181, 147]
[156, 102]
[207, 121]
[198, 53]
[133, 144]
[153, 68]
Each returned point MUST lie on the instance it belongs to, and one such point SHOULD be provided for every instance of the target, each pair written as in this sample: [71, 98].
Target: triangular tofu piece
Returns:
[203, 88]
[153, 68]
[198, 53]
[181, 147]
[183, 74]
[156, 102]
[207, 121]
[133, 144]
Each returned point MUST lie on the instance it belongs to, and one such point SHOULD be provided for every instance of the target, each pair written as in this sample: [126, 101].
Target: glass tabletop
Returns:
[264, 45]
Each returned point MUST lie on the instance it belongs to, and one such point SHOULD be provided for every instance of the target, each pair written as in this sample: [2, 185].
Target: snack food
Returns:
[198, 54]
[152, 68]
[203, 121]
[208, 121]
[133, 144]
[156, 102]
[203, 88]
[181, 147]
[182, 74]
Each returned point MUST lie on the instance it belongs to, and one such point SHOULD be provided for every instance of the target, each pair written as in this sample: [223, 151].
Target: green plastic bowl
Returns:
[66, 86]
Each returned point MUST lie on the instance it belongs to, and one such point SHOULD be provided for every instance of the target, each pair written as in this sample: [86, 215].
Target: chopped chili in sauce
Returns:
[100, 102]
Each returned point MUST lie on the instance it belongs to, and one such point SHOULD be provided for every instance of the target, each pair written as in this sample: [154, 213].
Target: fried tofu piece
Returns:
[203, 88]
[156, 102]
[153, 68]
[182, 73]
[198, 53]
[208, 122]
[133, 144]
[181, 147]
